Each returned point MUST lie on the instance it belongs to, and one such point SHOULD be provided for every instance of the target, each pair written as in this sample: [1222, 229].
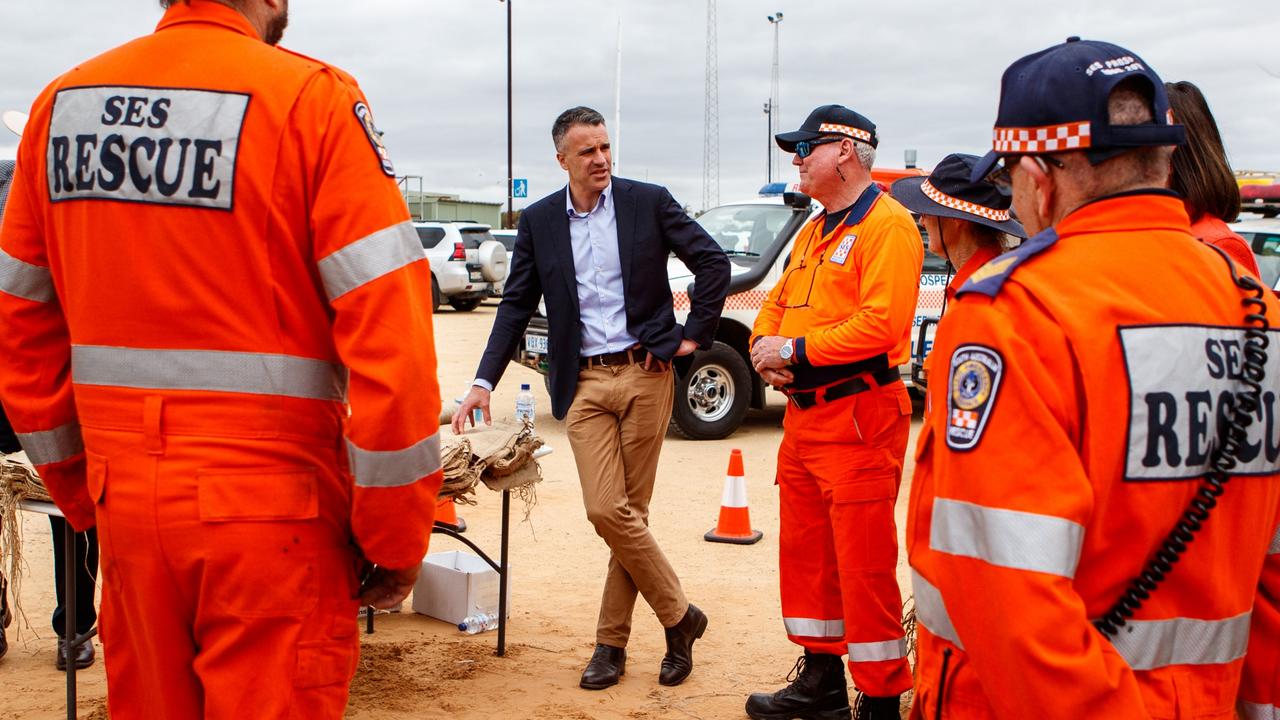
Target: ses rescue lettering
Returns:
[1183, 381]
[169, 146]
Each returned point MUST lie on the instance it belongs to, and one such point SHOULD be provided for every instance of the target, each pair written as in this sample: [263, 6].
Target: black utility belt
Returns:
[805, 399]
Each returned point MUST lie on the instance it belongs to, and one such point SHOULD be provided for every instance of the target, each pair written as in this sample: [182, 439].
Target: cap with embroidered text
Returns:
[1055, 100]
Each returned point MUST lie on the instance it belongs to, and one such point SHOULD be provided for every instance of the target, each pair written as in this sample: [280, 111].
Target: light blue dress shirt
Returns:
[597, 266]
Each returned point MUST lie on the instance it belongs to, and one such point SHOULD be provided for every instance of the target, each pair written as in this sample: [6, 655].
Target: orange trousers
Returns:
[228, 576]
[839, 470]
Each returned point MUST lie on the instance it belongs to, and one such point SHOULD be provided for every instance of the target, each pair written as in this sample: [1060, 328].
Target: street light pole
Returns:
[776, 21]
[768, 142]
[510, 163]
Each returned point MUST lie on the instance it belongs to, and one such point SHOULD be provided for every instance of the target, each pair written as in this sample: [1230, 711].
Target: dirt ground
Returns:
[416, 667]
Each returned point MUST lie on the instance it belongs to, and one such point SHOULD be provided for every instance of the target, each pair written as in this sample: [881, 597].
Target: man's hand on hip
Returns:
[764, 354]
[385, 588]
[478, 397]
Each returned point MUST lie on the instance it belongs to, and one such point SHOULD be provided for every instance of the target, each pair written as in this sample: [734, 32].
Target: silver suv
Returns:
[465, 262]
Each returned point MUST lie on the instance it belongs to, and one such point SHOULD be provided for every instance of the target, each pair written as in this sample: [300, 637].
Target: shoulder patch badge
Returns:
[375, 138]
[842, 250]
[972, 384]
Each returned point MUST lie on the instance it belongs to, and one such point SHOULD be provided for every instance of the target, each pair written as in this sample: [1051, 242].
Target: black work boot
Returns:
[608, 664]
[868, 707]
[817, 692]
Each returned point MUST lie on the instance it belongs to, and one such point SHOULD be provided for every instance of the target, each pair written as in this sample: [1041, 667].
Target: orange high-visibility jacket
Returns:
[849, 295]
[1077, 389]
[205, 218]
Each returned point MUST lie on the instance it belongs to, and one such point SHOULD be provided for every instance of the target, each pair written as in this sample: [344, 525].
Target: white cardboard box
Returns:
[454, 585]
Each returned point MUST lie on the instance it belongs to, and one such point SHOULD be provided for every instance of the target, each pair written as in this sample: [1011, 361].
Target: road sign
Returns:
[520, 187]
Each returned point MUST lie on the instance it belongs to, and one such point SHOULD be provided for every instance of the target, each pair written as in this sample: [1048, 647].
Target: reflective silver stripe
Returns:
[1258, 711]
[214, 370]
[1275, 543]
[1006, 538]
[24, 279]
[931, 611]
[393, 468]
[878, 651]
[52, 446]
[809, 627]
[369, 258]
[1151, 644]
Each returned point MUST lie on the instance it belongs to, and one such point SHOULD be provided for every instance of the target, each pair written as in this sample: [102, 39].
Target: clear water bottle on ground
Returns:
[524, 403]
[479, 623]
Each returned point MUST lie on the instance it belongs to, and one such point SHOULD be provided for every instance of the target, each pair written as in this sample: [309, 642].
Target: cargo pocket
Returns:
[328, 663]
[862, 510]
[96, 484]
[260, 529]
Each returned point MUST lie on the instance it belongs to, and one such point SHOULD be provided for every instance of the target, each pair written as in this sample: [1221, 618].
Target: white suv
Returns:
[465, 262]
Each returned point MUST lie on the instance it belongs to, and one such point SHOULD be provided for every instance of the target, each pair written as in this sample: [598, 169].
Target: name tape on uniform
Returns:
[1182, 385]
[166, 146]
[973, 382]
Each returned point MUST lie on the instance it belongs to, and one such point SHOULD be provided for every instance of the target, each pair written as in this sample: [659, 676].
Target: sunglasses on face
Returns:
[1002, 175]
[804, 148]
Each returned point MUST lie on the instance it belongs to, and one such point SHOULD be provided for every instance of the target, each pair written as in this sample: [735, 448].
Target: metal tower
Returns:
[711, 118]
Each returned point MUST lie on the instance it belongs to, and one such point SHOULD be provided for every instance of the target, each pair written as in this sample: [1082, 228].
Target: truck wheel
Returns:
[435, 294]
[712, 395]
[465, 305]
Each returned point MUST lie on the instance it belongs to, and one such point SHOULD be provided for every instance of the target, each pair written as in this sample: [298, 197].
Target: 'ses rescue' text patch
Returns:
[1182, 385]
[167, 146]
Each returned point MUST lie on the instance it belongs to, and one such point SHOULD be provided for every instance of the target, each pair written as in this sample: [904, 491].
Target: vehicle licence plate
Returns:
[476, 276]
[535, 343]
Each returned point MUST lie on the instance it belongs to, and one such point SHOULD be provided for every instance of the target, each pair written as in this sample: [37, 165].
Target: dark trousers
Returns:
[86, 576]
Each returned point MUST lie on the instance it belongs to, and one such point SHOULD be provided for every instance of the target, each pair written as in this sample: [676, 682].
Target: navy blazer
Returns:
[651, 225]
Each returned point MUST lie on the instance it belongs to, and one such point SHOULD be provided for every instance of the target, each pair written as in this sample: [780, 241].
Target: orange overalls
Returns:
[208, 279]
[1080, 380]
[848, 297]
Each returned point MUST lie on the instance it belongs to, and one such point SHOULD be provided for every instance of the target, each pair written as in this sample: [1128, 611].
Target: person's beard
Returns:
[277, 24]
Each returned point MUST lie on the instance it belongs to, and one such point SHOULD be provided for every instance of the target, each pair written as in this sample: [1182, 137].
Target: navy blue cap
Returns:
[948, 192]
[830, 120]
[1056, 101]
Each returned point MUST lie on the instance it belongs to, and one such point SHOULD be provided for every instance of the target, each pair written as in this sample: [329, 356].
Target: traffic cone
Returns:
[735, 520]
[447, 516]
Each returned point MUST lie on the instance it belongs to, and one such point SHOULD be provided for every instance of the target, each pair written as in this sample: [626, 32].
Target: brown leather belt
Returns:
[622, 357]
[805, 399]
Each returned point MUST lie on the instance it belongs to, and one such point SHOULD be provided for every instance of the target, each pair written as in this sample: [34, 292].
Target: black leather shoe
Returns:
[4, 643]
[6, 617]
[868, 707]
[607, 665]
[678, 662]
[817, 692]
[85, 655]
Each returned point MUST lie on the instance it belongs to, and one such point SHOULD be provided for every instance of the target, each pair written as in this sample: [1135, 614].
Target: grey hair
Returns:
[580, 115]
[866, 154]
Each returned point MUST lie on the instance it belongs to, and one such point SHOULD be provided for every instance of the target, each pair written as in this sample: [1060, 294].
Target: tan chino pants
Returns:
[616, 425]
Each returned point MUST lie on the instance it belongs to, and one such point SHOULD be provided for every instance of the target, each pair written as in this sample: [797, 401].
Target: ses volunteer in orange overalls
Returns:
[832, 334]
[209, 278]
[1081, 386]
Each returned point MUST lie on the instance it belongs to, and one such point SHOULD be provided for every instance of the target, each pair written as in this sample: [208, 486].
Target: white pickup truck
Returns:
[716, 387]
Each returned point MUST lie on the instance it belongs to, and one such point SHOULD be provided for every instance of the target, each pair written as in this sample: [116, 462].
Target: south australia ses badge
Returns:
[972, 384]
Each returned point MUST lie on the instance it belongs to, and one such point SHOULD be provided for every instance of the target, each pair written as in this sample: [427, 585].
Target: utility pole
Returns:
[711, 118]
[511, 174]
[775, 104]
[768, 142]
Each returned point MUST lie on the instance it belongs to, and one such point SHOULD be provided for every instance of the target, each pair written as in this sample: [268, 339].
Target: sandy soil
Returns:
[415, 667]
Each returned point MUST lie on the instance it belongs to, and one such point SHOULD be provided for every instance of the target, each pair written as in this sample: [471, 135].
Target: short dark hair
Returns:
[1201, 173]
[573, 116]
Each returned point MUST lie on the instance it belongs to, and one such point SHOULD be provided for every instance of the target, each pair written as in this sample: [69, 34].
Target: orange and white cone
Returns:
[735, 520]
[447, 516]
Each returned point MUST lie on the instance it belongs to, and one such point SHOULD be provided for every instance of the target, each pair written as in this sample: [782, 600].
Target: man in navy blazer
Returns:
[597, 250]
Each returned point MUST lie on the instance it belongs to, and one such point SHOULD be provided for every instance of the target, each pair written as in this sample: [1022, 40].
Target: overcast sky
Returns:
[926, 71]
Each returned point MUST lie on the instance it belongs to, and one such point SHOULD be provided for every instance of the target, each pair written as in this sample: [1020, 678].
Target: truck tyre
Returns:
[493, 261]
[712, 396]
[465, 305]
[435, 294]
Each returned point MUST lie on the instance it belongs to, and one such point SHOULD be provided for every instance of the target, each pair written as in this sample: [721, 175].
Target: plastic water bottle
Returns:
[482, 622]
[524, 403]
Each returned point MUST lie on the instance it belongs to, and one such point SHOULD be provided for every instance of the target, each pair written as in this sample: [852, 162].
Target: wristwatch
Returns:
[788, 350]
